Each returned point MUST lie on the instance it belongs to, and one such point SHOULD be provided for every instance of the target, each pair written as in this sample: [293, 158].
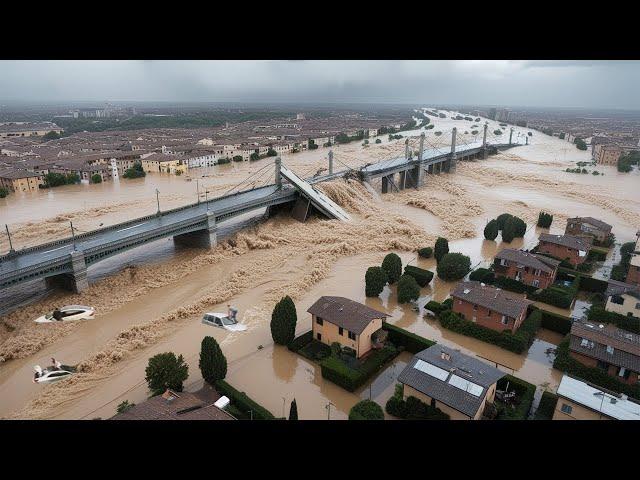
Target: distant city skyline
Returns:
[533, 84]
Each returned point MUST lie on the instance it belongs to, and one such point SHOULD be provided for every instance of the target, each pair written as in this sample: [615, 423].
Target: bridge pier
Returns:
[77, 280]
[402, 182]
[205, 238]
[484, 141]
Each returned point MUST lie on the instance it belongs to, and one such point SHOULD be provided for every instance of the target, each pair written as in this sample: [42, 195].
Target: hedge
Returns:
[483, 275]
[336, 371]
[425, 252]
[556, 295]
[596, 255]
[242, 402]
[410, 341]
[565, 363]
[412, 408]
[301, 341]
[547, 406]
[525, 392]
[435, 307]
[516, 343]
[421, 276]
[600, 315]
[554, 322]
[512, 285]
[595, 285]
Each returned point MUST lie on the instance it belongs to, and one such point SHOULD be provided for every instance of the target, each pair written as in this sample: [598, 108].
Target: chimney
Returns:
[445, 356]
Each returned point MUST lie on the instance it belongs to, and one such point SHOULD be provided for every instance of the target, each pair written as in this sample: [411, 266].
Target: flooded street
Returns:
[151, 299]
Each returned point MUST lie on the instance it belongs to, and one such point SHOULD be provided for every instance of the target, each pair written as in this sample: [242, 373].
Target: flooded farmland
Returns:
[152, 299]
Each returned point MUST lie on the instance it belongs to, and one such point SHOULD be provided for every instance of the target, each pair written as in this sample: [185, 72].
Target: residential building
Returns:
[178, 406]
[352, 324]
[28, 129]
[565, 247]
[459, 385]
[19, 180]
[607, 347]
[529, 268]
[633, 274]
[489, 306]
[607, 154]
[373, 132]
[579, 400]
[161, 162]
[623, 298]
[588, 226]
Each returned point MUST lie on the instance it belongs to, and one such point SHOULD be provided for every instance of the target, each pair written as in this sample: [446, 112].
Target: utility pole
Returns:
[484, 140]
[330, 162]
[198, 190]
[206, 198]
[328, 407]
[278, 176]
[406, 149]
[158, 201]
[510, 135]
[283, 404]
[11, 250]
[73, 235]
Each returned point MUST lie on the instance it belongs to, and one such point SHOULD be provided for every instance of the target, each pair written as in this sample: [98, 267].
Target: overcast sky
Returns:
[519, 83]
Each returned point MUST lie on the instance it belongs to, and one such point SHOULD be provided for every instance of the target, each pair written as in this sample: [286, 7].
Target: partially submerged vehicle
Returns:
[68, 313]
[52, 373]
[223, 320]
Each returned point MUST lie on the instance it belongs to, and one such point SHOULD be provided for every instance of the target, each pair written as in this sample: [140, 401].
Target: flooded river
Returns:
[150, 300]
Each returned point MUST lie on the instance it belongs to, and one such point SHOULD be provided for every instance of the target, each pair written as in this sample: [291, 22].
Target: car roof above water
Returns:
[75, 307]
[217, 314]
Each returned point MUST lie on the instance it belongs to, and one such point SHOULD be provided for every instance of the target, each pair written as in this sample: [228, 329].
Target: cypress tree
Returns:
[392, 265]
[441, 248]
[408, 289]
[375, 279]
[283, 321]
[293, 410]
[502, 219]
[213, 363]
[491, 230]
[165, 370]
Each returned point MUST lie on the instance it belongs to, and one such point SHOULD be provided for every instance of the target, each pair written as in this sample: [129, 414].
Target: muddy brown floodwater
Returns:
[152, 307]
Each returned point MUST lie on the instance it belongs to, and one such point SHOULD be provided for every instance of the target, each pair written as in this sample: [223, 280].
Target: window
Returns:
[352, 336]
[566, 409]
[505, 320]
[319, 320]
[503, 262]
[319, 336]
[536, 283]
[617, 299]
[603, 365]
[475, 308]
[609, 349]
[624, 373]
[341, 331]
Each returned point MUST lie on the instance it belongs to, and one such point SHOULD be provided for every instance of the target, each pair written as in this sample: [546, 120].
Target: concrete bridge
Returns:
[64, 262]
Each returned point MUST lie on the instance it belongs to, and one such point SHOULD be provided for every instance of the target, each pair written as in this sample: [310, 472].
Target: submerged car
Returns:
[68, 314]
[223, 320]
[52, 374]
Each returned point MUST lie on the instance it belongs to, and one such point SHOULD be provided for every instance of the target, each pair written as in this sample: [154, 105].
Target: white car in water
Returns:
[68, 314]
[52, 374]
[223, 320]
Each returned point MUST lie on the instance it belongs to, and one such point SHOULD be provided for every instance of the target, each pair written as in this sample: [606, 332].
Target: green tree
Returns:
[213, 364]
[501, 219]
[366, 410]
[51, 136]
[453, 266]
[392, 266]
[408, 289]
[293, 410]
[375, 279]
[378, 140]
[580, 144]
[513, 227]
[271, 152]
[96, 178]
[4, 191]
[283, 321]
[136, 171]
[124, 406]
[237, 158]
[165, 370]
[491, 230]
[254, 156]
[441, 248]
[425, 252]
[544, 219]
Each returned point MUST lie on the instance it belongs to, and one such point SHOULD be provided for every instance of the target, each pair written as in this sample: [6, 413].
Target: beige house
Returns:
[459, 385]
[20, 180]
[163, 163]
[351, 324]
[578, 400]
[27, 129]
[623, 298]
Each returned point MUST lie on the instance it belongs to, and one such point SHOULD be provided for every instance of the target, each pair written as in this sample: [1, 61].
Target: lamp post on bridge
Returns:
[11, 250]
[198, 189]
[73, 236]
[158, 201]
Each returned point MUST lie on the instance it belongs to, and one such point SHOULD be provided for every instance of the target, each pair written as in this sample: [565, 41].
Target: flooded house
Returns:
[566, 247]
[529, 268]
[633, 275]
[623, 298]
[351, 324]
[200, 405]
[588, 226]
[607, 347]
[489, 306]
[579, 400]
[459, 385]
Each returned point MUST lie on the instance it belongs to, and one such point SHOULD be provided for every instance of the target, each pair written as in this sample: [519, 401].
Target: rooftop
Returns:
[345, 313]
[570, 241]
[539, 262]
[450, 377]
[506, 303]
[592, 221]
[610, 404]
[615, 287]
[606, 342]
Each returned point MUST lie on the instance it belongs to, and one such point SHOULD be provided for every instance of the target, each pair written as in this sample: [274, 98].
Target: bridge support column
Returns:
[205, 238]
[76, 281]
[527, 139]
[403, 180]
[330, 162]
[278, 175]
[406, 149]
[419, 174]
[484, 141]
[385, 184]
[510, 136]
[452, 162]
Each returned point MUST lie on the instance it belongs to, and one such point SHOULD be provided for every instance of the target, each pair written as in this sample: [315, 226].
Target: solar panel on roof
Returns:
[466, 385]
[432, 370]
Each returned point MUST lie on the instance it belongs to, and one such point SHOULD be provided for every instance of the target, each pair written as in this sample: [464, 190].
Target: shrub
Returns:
[378, 140]
[513, 227]
[421, 276]
[425, 252]
[124, 406]
[392, 266]
[512, 285]
[525, 392]
[136, 171]
[254, 156]
[595, 285]
[293, 410]
[375, 279]
[408, 289]
[410, 341]
[553, 297]
[96, 178]
[483, 275]
[441, 248]
[338, 372]
[238, 158]
[547, 406]
[598, 314]
[435, 307]
[165, 370]
[366, 410]
[554, 322]
[301, 341]
[502, 219]
[243, 402]
[412, 408]
[544, 220]
[453, 266]
[223, 160]
[4, 191]
[491, 230]
[283, 321]
[213, 364]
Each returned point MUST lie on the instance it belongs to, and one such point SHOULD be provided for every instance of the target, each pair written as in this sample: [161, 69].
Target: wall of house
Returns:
[408, 391]
[578, 412]
[633, 275]
[331, 333]
[584, 229]
[486, 317]
[612, 370]
[630, 305]
[527, 275]
[364, 339]
[562, 252]
[26, 184]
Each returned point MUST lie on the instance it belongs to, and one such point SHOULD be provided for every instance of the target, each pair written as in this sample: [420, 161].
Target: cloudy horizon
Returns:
[557, 83]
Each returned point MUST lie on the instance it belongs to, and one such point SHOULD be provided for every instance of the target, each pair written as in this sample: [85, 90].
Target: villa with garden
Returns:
[529, 268]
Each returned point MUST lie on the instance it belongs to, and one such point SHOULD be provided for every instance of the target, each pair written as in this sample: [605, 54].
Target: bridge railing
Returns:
[49, 264]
